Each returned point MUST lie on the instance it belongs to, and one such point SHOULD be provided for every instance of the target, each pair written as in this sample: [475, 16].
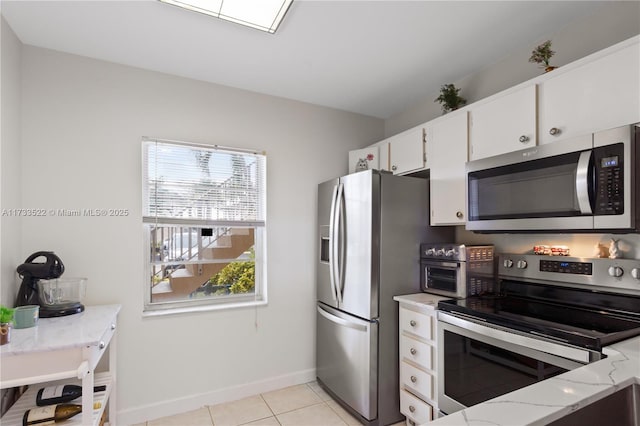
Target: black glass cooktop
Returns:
[581, 318]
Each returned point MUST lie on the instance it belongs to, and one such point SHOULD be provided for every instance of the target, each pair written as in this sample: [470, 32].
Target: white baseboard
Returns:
[132, 416]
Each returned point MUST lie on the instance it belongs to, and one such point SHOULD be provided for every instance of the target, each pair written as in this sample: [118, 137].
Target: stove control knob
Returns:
[635, 273]
[615, 271]
[508, 263]
[450, 253]
[522, 264]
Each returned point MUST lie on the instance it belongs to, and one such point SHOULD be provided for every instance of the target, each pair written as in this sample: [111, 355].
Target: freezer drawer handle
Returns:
[341, 321]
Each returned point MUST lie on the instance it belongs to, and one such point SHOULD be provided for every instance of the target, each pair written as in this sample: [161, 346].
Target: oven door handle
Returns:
[442, 265]
[512, 337]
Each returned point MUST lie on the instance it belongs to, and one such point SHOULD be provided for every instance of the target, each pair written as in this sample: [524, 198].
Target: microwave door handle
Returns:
[582, 182]
[334, 243]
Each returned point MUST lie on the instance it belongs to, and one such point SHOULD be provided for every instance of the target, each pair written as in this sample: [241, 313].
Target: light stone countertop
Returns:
[421, 300]
[551, 399]
[71, 331]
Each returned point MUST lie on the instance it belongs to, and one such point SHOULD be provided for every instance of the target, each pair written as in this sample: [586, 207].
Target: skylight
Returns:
[263, 15]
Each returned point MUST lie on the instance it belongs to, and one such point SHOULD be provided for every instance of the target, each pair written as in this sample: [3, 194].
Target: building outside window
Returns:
[204, 211]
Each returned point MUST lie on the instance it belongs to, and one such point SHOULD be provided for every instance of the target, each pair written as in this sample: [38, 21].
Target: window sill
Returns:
[201, 308]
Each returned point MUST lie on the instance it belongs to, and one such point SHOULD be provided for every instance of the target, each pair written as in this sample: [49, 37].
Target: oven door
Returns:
[443, 278]
[477, 363]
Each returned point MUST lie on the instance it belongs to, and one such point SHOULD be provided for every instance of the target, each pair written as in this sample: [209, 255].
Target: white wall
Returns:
[81, 139]
[10, 226]
[615, 22]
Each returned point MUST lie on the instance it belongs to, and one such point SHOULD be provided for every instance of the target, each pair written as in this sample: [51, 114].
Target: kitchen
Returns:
[70, 122]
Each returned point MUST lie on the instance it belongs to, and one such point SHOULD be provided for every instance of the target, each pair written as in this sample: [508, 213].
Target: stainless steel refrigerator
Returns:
[371, 225]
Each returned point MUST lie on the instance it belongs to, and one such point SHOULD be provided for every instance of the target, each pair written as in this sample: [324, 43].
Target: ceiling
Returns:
[376, 58]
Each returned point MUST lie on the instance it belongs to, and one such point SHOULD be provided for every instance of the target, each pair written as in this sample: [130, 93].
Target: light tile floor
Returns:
[301, 405]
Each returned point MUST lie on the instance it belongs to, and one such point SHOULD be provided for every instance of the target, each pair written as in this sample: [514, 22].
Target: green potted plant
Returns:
[6, 322]
[450, 99]
[541, 55]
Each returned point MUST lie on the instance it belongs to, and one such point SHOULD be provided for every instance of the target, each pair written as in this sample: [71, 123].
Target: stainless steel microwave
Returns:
[583, 184]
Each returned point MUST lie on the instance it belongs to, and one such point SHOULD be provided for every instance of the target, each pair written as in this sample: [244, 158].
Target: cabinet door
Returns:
[406, 151]
[364, 159]
[383, 153]
[448, 148]
[505, 124]
[598, 95]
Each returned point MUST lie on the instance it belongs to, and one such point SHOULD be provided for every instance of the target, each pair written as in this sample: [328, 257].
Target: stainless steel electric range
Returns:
[551, 314]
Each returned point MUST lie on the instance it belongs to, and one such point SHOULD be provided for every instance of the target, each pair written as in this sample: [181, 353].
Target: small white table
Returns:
[67, 350]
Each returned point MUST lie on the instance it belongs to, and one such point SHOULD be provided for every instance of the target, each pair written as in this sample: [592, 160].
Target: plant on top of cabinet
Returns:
[449, 98]
[541, 55]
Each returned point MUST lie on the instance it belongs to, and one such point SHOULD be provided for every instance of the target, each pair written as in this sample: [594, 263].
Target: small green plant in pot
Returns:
[450, 99]
[6, 321]
[542, 54]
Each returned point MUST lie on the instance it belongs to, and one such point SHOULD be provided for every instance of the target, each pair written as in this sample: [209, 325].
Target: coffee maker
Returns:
[31, 272]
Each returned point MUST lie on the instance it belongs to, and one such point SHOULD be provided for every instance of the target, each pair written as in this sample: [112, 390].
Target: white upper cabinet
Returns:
[597, 95]
[383, 152]
[447, 140]
[504, 124]
[406, 151]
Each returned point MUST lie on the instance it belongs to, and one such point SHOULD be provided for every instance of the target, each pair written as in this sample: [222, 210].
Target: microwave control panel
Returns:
[609, 169]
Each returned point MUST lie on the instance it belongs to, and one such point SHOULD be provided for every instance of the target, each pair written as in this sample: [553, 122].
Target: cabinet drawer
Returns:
[418, 381]
[416, 351]
[416, 323]
[414, 408]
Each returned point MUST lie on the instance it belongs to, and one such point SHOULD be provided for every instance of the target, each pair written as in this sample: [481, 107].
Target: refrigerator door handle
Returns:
[333, 244]
[340, 242]
[341, 321]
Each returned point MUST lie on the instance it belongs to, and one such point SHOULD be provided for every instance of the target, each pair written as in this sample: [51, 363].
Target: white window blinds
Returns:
[187, 183]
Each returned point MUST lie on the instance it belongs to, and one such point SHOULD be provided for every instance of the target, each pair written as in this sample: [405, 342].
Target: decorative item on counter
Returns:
[560, 251]
[614, 250]
[600, 251]
[541, 250]
[541, 55]
[449, 98]
[6, 322]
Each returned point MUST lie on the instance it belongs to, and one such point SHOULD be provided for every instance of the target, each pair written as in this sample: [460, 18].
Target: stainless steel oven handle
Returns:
[582, 182]
[442, 265]
[512, 337]
[467, 316]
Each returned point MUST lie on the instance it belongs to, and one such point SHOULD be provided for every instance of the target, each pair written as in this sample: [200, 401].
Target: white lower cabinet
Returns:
[415, 409]
[418, 360]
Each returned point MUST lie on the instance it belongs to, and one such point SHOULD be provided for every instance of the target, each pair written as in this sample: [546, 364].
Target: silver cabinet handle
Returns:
[524, 138]
[412, 323]
[412, 408]
[394, 168]
[102, 345]
[554, 131]
[413, 351]
[113, 326]
[459, 215]
[414, 379]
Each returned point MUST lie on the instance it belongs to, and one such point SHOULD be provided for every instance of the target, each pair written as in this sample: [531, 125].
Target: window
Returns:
[204, 224]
